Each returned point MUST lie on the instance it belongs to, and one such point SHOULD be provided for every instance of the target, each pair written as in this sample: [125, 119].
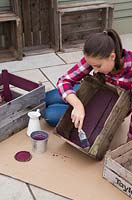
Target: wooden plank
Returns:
[27, 22]
[54, 26]
[104, 18]
[82, 8]
[44, 21]
[80, 27]
[121, 150]
[110, 17]
[7, 34]
[6, 89]
[124, 158]
[79, 34]
[14, 6]
[83, 17]
[22, 21]
[35, 21]
[6, 55]
[19, 39]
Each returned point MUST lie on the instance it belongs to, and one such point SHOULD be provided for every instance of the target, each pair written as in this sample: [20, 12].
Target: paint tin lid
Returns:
[23, 156]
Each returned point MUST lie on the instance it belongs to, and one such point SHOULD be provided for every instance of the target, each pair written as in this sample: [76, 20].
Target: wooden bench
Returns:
[77, 19]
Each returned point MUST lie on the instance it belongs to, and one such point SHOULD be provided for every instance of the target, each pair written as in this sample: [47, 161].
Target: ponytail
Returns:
[118, 46]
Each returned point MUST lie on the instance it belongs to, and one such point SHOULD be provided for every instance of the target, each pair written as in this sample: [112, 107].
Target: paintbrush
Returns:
[84, 140]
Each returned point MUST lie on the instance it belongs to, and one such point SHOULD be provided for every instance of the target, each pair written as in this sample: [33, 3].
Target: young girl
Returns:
[102, 53]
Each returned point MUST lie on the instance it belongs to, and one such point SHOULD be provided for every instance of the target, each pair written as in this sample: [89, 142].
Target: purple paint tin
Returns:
[39, 141]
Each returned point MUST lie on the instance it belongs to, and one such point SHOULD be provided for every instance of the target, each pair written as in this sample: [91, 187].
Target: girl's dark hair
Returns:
[102, 44]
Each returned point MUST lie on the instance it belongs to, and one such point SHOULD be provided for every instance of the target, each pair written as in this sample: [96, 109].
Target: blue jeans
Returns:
[55, 106]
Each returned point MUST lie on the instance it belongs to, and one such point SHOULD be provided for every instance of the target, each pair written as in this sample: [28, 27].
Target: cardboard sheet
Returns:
[62, 169]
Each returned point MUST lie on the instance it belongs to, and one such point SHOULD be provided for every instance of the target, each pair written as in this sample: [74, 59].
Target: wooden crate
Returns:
[39, 20]
[10, 37]
[77, 19]
[107, 119]
[118, 168]
[14, 106]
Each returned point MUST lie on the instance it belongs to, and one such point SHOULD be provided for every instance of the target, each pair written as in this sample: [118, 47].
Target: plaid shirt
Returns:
[122, 79]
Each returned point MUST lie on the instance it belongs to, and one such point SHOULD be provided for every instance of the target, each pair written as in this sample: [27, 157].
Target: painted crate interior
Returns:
[105, 111]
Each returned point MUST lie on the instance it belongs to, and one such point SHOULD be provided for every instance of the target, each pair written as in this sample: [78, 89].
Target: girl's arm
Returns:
[73, 76]
[65, 88]
[78, 112]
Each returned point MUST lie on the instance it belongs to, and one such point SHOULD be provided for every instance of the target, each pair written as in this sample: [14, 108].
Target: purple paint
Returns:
[97, 111]
[23, 156]
[39, 135]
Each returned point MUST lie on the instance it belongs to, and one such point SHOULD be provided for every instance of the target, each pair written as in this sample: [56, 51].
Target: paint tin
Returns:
[39, 141]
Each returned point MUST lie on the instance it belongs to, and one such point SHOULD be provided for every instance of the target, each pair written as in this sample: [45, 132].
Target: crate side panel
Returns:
[114, 120]
[118, 169]
[18, 123]
[75, 26]
[118, 181]
[30, 100]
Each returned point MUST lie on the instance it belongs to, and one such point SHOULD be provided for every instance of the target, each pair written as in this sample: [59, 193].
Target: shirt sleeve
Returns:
[73, 76]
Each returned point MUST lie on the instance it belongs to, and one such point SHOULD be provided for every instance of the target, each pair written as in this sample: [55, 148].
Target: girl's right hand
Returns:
[77, 116]
[78, 112]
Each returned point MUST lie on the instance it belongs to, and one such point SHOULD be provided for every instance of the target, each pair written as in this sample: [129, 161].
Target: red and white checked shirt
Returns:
[122, 79]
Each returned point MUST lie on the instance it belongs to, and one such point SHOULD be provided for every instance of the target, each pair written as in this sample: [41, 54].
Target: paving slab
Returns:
[55, 73]
[32, 62]
[71, 57]
[11, 189]
[50, 59]
[41, 194]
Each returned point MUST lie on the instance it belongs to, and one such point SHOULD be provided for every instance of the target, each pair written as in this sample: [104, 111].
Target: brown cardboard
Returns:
[62, 169]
